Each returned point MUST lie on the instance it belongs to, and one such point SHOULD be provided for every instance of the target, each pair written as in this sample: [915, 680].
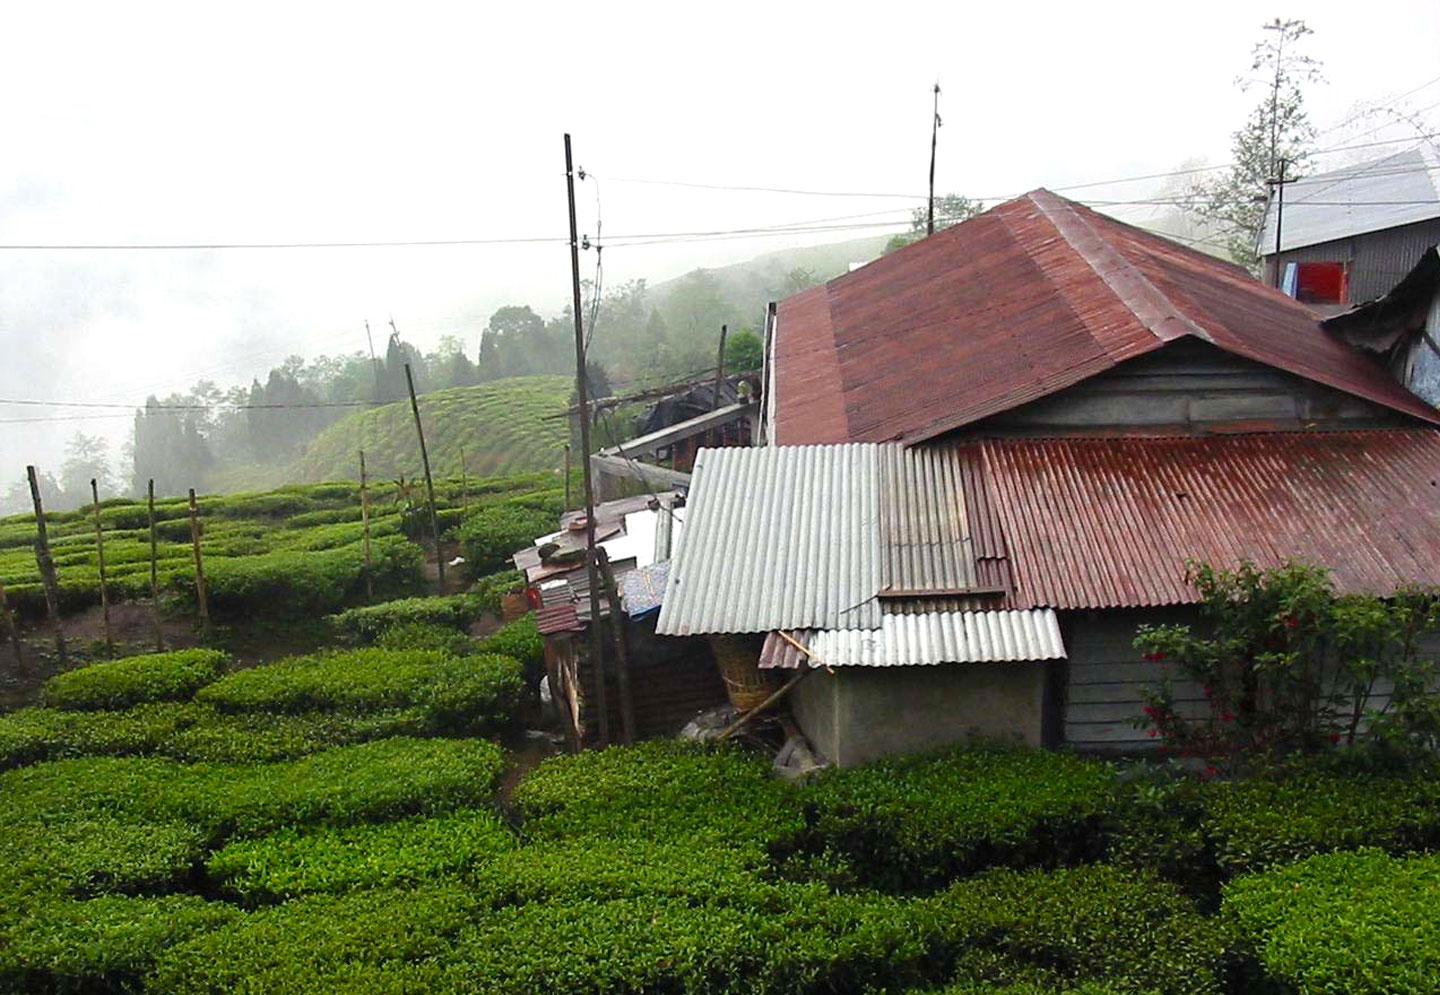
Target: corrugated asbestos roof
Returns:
[1031, 297]
[933, 638]
[1398, 189]
[777, 537]
[1106, 523]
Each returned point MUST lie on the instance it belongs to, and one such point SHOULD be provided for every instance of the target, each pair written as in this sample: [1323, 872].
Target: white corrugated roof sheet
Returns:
[1398, 189]
[779, 537]
[933, 638]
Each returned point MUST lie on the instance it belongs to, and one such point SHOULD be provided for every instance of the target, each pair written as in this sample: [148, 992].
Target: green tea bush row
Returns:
[367, 623]
[294, 862]
[519, 640]
[490, 536]
[660, 790]
[473, 694]
[59, 852]
[1360, 923]
[426, 636]
[135, 680]
[383, 779]
[917, 822]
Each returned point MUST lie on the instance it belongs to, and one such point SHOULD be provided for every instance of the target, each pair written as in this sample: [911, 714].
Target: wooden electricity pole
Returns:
[154, 572]
[201, 594]
[100, 555]
[46, 563]
[934, 137]
[597, 649]
[425, 462]
[1279, 220]
[719, 370]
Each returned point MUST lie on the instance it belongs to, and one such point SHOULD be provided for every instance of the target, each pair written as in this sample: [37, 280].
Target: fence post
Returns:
[154, 573]
[365, 526]
[46, 563]
[100, 555]
[429, 484]
[199, 568]
[13, 629]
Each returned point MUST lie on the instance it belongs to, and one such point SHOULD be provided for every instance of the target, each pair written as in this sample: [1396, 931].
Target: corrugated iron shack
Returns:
[988, 456]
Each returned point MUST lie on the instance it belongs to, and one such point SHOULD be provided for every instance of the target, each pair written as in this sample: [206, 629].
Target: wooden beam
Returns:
[659, 477]
[645, 445]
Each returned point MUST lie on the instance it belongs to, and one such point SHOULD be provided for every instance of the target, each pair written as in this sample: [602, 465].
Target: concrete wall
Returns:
[860, 713]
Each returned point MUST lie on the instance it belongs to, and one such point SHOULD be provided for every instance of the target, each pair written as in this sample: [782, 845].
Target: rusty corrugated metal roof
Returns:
[560, 617]
[926, 640]
[1027, 299]
[1106, 523]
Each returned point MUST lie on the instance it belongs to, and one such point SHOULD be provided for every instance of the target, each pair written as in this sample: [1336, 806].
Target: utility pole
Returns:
[374, 363]
[425, 462]
[934, 138]
[1279, 220]
[100, 556]
[582, 396]
[719, 371]
[46, 563]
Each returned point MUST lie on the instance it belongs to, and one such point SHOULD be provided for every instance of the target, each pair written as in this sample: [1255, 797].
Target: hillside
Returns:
[501, 426]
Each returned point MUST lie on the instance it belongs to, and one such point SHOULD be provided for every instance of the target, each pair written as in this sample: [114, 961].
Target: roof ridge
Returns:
[1143, 299]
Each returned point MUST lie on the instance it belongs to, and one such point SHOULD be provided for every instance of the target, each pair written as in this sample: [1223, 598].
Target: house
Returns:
[1402, 328]
[989, 455]
[1349, 235]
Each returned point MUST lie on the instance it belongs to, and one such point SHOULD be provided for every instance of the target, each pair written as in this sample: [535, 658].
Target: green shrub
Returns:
[134, 680]
[491, 535]
[1084, 924]
[294, 862]
[104, 944]
[659, 790]
[426, 636]
[306, 583]
[487, 590]
[519, 640]
[31, 735]
[366, 624]
[474, 694]
[1261, 822]
[1344, 923]
[88, 853]
[917, 822]
[384, 779]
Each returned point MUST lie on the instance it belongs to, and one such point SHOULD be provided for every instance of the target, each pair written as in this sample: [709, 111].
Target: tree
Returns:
[950, 210]
[1277, 136]
[744, 352]
[87, 457]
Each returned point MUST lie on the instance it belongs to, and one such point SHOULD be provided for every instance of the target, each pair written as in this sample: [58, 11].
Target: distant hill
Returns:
[751, 283]
[501, 426]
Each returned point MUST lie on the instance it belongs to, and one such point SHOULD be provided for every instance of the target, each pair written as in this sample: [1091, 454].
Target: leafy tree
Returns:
[744, 352]
[87, 457]
[1277, 133]
[950, 210]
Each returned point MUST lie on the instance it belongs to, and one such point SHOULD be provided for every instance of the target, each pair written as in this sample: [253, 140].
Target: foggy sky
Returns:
[151, 123]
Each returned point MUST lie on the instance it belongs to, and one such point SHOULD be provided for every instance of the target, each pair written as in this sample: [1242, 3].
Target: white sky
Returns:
[150, 123]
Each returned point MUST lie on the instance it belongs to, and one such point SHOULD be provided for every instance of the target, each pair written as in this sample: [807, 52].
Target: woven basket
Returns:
[513, 605]
[739, 661]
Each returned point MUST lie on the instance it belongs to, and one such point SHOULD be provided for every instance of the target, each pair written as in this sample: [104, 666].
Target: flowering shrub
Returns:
[1288, 665]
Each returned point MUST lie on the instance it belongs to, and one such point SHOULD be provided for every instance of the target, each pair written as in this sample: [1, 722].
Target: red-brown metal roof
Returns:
[1025, 300]
[1105, 523]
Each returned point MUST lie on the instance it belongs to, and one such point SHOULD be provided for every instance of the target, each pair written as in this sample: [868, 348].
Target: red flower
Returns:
[1211, 771]
[1227, 717]
[1291, 622]
[1152, 733]
[1334, 737]
[1206, 689]
[1155, 657]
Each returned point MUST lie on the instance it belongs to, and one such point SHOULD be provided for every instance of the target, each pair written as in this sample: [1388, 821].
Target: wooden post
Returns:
[11, 627]
[719, 370]
[100, 555]
[622, 658]
[567, 476]
[429, 484]
[154, 573]
[200, 592]
[46, 563]
[582, 397]
[365, 526]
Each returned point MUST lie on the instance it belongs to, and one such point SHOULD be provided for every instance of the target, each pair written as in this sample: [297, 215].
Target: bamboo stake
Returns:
[200, 592]
[365, 525]
[100, 554]
[13, 629]
[429, 484]
[46, 563]
[784, 689]
[154, 573]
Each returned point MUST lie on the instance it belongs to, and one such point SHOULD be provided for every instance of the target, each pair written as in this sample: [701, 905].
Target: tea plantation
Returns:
[333, 821]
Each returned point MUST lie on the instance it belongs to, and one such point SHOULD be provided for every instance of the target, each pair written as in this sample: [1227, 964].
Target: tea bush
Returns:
[1264, 821]
[295, 862]
[1360, 923]
[519, 640]
[103, 944]
[87, 853]
[491, 535]
[660, 790]
[472, 694]
[366, 624]
[384, 779]
[917, 822]
[115, 684]
[426, 636]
